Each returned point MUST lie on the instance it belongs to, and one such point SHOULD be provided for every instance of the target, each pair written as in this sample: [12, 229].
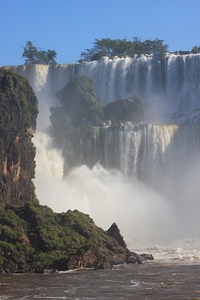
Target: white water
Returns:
[145, 215]
[169, 89]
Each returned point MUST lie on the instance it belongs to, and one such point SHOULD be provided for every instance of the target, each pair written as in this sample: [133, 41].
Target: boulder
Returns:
[114, 232]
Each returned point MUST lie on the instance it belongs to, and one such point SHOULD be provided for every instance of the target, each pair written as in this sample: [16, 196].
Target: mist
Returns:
[144, 216]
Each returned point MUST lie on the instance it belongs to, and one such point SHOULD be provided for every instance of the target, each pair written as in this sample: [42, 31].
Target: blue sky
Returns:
[71, 26]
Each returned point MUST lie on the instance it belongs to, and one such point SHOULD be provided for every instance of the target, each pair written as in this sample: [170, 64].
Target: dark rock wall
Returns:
[18, 113]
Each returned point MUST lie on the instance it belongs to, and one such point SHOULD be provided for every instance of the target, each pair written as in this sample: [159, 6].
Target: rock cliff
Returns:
[18, 112]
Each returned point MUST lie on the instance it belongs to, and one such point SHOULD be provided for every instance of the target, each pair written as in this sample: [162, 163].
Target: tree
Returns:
[196, 49]
[51, 55]
[159, 49]
[34, 56]
[110, 48]
[30, 53]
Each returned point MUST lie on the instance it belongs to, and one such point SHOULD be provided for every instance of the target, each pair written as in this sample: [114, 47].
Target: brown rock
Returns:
[114, 232]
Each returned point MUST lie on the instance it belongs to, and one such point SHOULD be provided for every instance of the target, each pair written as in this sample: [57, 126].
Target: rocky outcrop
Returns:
[35, 239]
[147, 256]
[18, 112]
[125, 110]
[115, 233]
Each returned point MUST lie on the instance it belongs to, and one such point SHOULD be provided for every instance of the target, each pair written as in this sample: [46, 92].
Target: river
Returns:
[149, 281]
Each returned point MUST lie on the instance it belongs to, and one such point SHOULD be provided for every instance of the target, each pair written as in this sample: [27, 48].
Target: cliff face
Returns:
[18, 112]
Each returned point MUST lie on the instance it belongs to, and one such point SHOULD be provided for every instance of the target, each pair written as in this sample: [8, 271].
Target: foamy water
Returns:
[178, 252]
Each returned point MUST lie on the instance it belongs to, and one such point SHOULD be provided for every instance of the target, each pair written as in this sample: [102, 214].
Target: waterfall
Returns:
[146, 150]
[169, 88]
[145, 172]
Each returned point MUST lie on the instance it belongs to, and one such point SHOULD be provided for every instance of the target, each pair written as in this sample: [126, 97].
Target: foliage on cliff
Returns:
[17, 97]
[79, 101]
[18, 113]
[34, 238]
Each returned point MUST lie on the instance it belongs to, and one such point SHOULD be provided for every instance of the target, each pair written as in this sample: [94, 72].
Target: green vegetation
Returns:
[80, 101]
[106, 47]
[110, 48]
[34, 56]
[196, 49]
[15, 88]
[18, 113]
[33, 238]
[13, 248]
[121, 48]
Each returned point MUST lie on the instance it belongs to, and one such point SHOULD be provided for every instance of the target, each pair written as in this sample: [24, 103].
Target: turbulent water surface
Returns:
[146, 282]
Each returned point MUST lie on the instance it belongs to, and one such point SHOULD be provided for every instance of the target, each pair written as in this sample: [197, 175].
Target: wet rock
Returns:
[147, 256]
[114, 232]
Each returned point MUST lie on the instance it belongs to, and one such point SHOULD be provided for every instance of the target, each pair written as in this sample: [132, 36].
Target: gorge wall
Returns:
[18, 113]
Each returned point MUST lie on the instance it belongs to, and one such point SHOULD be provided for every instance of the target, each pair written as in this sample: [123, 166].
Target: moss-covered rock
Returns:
[18, 112]
[79, 101]
[125, 110]
[34, 238]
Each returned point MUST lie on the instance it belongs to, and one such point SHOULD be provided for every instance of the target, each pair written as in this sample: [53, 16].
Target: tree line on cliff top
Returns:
[105, 47]
[33, 55]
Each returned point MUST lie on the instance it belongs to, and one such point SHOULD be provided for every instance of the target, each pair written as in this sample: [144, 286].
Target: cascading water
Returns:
[157, 198]
[152, 152]
[170, 88]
